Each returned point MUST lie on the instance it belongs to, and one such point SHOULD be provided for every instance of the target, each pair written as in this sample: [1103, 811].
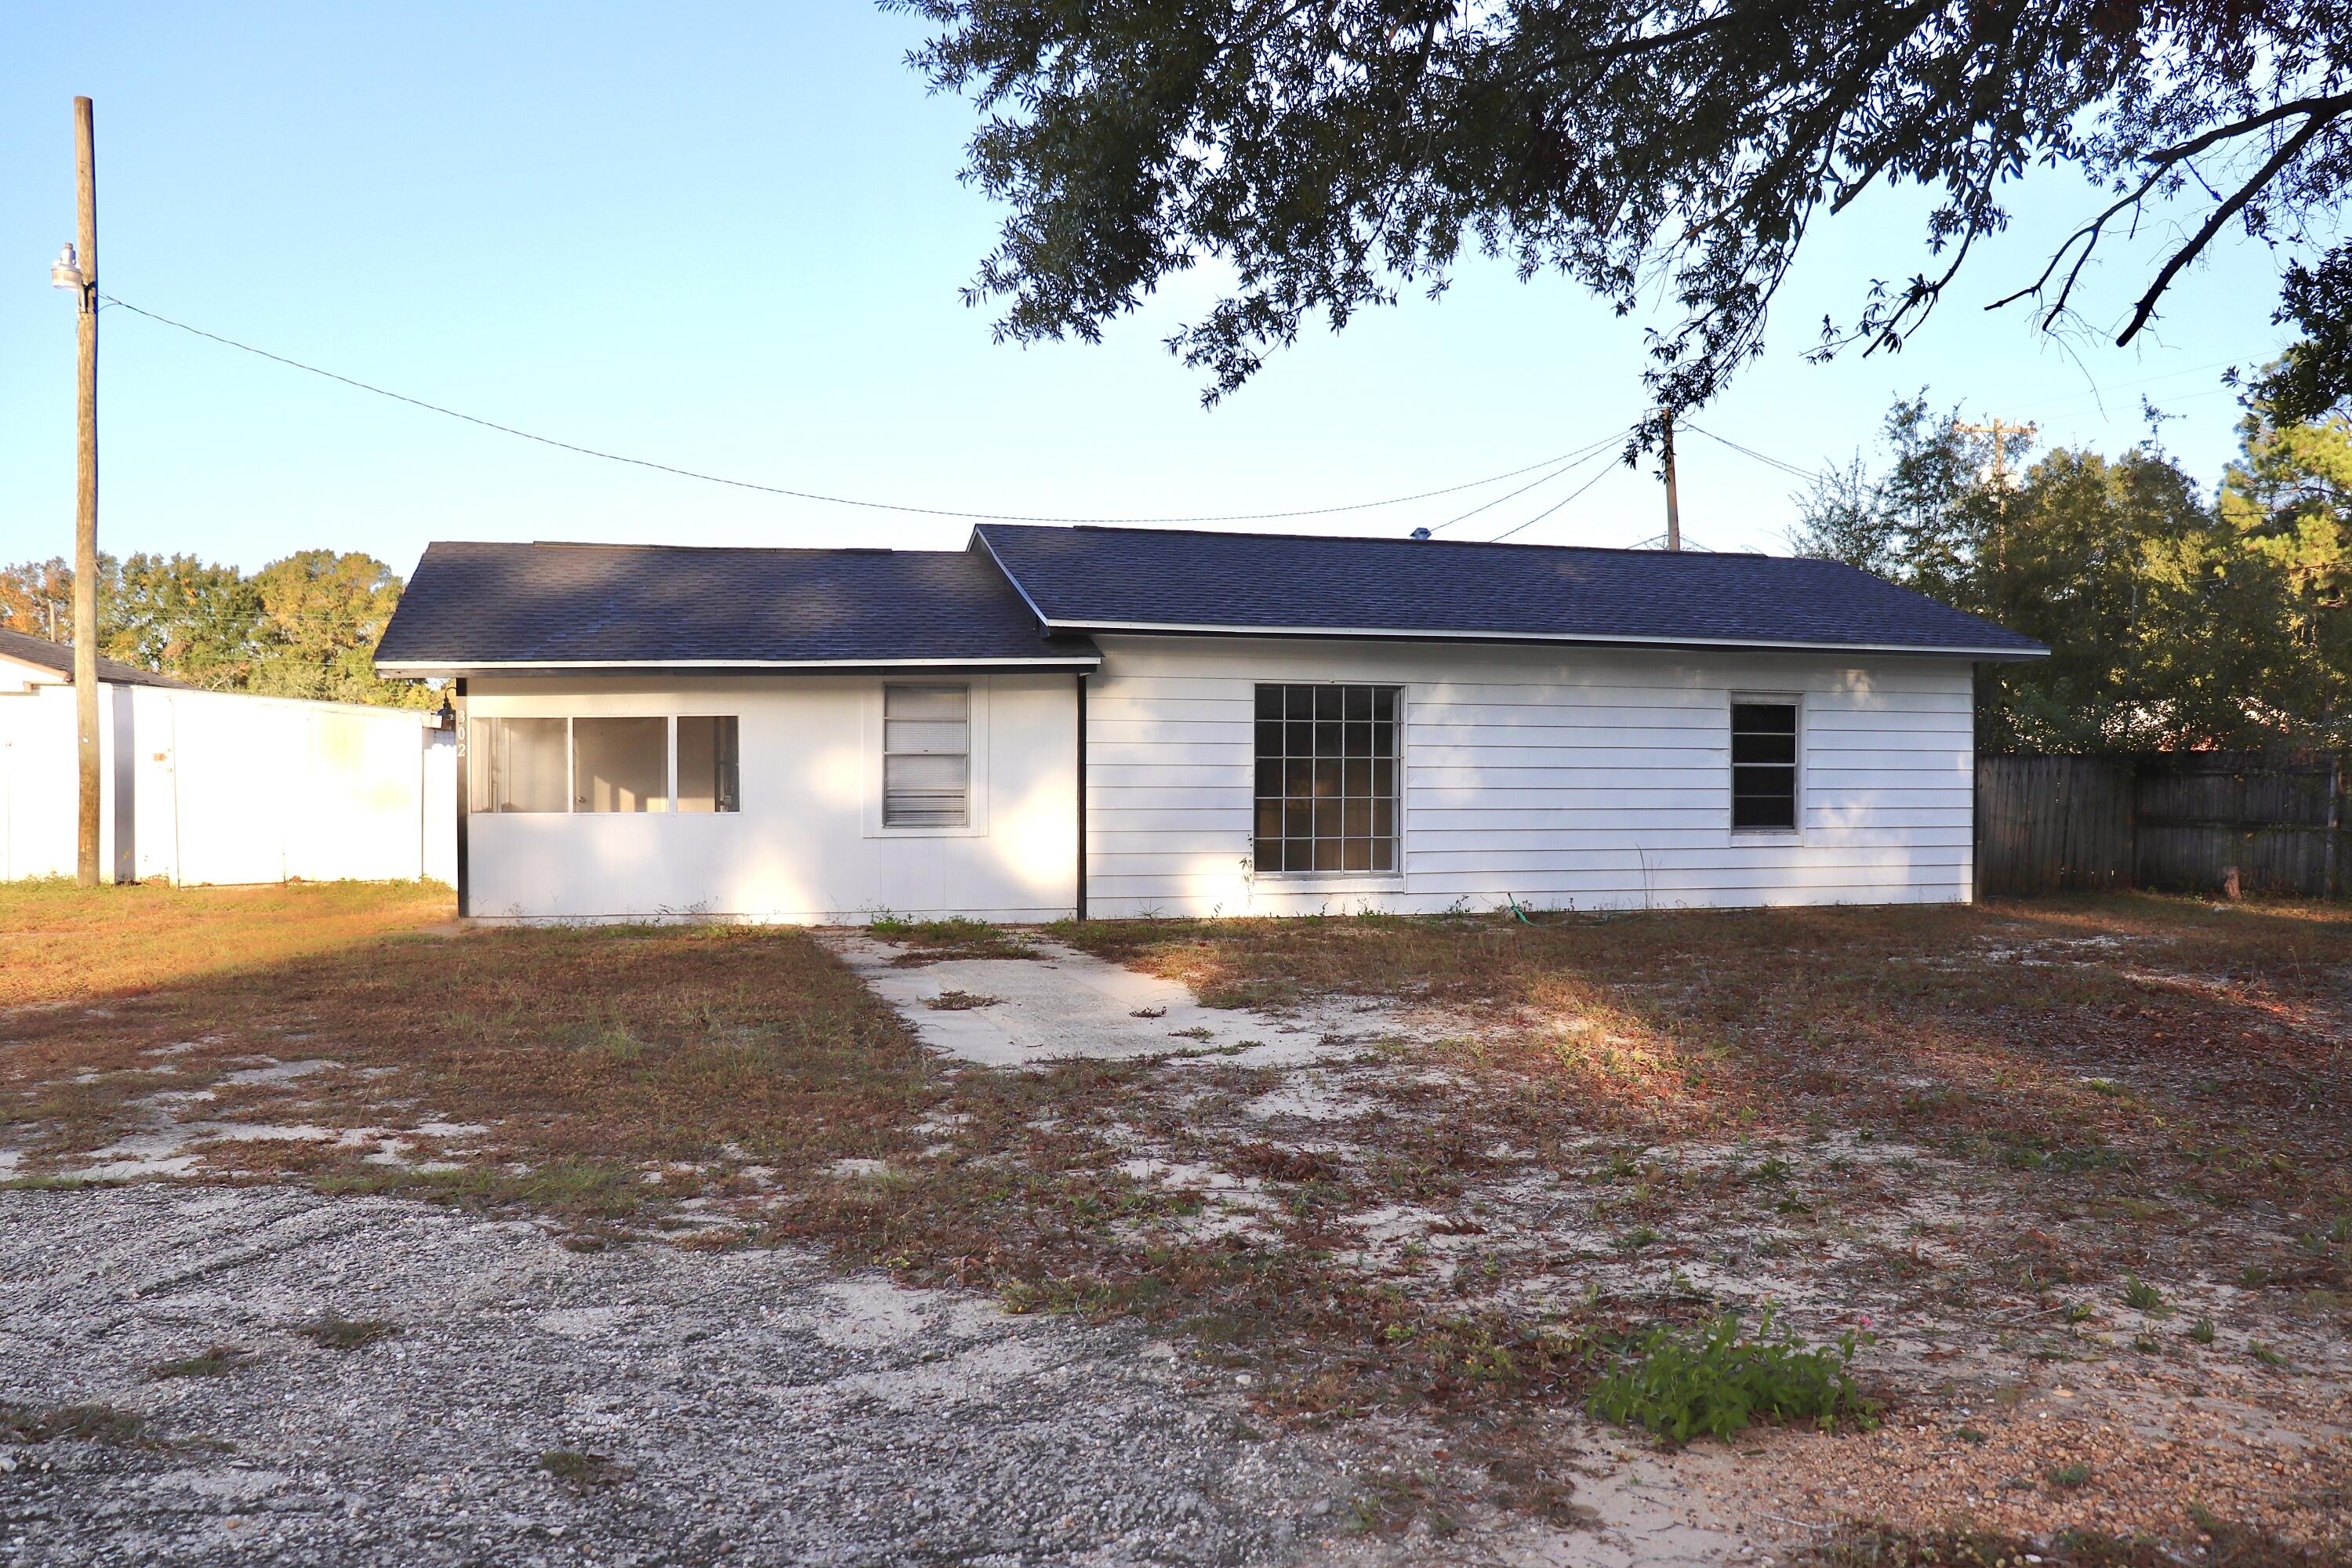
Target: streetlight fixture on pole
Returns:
[77, 269]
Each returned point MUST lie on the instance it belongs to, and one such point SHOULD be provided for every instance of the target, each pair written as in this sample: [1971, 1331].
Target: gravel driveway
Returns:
[749, 1407]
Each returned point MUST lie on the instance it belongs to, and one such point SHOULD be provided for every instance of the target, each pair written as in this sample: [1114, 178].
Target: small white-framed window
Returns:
[1764, 767]
[926, 756]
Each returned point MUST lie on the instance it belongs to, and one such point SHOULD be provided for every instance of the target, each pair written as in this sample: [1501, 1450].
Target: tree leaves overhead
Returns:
[1334, 153]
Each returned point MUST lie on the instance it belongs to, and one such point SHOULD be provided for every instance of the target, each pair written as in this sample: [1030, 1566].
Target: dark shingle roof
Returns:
[1098, 578]
[476, 605]
[58, 656]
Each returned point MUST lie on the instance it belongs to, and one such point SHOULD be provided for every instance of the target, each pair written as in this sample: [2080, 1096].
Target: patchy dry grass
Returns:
[2221, 1545]
[2101, 1143]
[582, 1471]
[332, 1331]
[217, 1361]
[69, 1424]
[936, 942]
[60, 943]
[2042, 1149]
[2115, 1052]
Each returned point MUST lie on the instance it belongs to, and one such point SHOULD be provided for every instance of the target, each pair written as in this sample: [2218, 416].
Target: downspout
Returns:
[1082, 794]
[465, 793]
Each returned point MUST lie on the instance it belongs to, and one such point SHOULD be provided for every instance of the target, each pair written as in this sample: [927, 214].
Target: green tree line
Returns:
[2175, 619]
[307, 626]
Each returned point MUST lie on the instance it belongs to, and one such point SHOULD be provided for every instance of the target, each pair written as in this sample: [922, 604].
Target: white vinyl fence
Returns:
[209, 786]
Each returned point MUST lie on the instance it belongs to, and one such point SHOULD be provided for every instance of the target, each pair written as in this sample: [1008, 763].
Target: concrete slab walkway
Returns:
[1063, 1003]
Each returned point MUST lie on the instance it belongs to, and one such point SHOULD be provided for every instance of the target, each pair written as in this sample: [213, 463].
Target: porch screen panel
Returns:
[518, 764]
[926, 756]
[620, 764]
[1327, 778]
[707, 771]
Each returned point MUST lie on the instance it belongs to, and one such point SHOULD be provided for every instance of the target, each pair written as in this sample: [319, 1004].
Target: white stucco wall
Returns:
[807, 845]
[1597, 778]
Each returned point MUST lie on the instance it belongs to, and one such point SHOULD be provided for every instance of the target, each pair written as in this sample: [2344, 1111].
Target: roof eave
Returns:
[417, 669]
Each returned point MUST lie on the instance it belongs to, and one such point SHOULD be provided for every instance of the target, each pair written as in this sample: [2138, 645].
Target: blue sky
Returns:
[731, 238]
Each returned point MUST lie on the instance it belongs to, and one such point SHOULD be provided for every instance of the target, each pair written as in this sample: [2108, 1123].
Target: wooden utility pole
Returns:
[1999, 430]
[1674, 513]
[84, 585]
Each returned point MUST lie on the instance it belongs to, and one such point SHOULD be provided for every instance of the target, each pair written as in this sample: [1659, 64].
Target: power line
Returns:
[843, 500]
[1577, 458]
[1553, 508]
[1752, 452]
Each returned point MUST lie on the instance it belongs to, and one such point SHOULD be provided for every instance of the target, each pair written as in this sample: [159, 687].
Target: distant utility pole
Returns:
[1999, 430]
[78, 270]
[1673, 514]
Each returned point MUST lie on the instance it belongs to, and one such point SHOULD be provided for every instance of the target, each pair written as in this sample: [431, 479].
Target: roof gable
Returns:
[58, 659]
[1102, 579]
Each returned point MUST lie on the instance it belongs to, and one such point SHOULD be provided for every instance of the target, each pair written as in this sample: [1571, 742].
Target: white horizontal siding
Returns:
[1593, 777]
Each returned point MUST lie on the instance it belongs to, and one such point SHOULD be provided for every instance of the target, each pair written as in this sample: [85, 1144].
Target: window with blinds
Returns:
[926, 756]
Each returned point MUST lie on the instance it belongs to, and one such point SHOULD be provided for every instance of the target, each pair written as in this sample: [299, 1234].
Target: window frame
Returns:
[476, 755]
[1795, 703]
[1340, 879]
[715, 809]
[471, 732]
[668, 765]
[975, 824]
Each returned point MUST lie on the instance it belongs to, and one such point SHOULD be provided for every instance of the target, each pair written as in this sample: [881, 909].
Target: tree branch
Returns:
[2287, 153]
[2327, 108]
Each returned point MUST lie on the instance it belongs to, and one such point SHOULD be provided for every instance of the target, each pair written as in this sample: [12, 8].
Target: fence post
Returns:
[2131, 822]
[2328, 846]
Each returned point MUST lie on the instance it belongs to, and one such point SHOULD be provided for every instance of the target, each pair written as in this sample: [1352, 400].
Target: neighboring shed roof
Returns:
[1102, 579]
[58, 657]
[487, 608]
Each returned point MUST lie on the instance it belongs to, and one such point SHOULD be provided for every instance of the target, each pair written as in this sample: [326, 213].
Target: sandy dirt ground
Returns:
[751, 1406]
[674, 1388]
[527, 1403]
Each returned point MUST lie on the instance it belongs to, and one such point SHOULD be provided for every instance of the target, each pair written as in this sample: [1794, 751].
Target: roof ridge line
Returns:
[1394, 539]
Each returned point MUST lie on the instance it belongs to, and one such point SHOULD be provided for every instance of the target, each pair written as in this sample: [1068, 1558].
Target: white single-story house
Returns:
[1121, 721]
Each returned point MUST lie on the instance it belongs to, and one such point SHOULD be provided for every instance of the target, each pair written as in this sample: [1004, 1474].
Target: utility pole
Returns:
[85, 586]
[1999, 430]
[1673, 514]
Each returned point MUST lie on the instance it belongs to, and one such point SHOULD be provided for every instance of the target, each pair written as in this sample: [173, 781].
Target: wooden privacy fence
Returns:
[2222, 823]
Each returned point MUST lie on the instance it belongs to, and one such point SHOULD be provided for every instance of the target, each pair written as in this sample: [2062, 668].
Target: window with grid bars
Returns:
[926, 756]
[1764, 764]
[1327, 778]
